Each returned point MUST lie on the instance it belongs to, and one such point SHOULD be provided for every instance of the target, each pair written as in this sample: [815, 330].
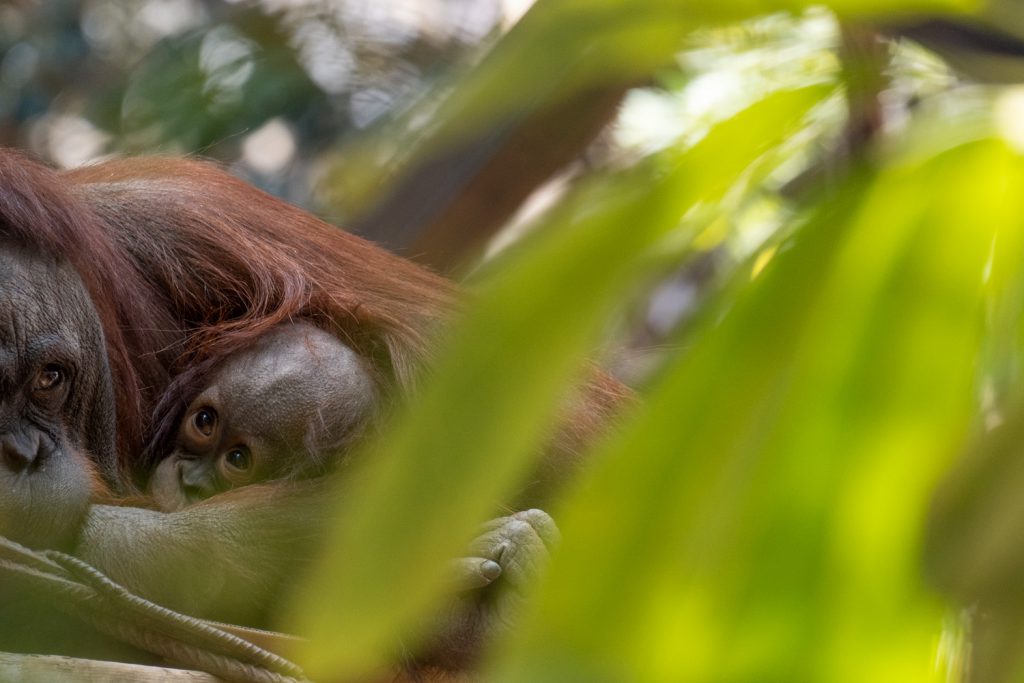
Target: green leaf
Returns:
[474, 430]
[761, 518]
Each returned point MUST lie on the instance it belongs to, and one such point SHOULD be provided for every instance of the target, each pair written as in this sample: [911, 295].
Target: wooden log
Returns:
[54, 669]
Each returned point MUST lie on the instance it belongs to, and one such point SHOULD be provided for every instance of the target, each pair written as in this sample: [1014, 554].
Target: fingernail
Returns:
[490, 569]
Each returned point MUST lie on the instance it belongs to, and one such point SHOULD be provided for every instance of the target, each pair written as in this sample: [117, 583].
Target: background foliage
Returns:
[795, 231]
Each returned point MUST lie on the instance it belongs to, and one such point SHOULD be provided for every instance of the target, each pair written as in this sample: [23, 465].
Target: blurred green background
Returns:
[795, 229]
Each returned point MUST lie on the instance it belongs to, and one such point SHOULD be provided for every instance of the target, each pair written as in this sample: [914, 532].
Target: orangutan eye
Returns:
[50, 377]
[238, 459]
[204, 420]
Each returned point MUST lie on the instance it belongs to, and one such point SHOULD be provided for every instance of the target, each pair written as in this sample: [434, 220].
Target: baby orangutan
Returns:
[284, 409]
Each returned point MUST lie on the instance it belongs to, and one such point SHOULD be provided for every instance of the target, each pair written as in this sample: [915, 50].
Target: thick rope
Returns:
[74, 586]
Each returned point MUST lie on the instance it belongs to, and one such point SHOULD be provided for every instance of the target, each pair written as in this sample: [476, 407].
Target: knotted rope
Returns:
[80, 589]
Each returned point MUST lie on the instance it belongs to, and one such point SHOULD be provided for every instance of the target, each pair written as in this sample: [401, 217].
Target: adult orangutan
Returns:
[182, 266]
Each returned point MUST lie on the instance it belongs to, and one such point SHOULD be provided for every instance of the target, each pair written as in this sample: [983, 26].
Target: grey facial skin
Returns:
[56, 400]
[286, 408]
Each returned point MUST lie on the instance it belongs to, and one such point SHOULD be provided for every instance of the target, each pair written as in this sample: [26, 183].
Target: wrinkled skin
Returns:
[287, 408]
[56, 400]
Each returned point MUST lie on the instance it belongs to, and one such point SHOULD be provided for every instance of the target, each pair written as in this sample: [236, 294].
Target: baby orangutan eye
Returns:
[204, 420]
[50, 377]
[238, 459]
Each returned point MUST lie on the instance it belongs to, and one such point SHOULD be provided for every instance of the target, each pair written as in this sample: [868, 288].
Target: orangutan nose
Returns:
[19, 452]
[196, 482]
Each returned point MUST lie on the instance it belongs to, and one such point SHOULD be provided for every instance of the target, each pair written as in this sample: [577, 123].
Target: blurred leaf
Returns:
[561, 46]
[198, 90]
[558, 49]
[477, 425]
[766, 506]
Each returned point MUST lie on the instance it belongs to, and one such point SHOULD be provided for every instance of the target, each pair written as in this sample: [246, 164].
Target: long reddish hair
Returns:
[188, 265]
[228, 262]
